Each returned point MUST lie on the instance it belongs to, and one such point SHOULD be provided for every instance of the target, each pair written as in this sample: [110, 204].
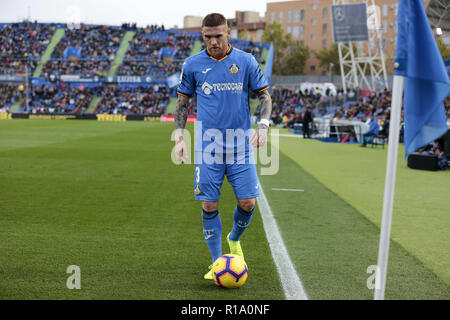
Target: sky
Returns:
[116, 12]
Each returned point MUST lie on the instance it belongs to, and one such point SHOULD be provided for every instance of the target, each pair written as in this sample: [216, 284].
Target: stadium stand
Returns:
[136, 100]
[130, 70]
[94, 68]
[10, 94]
[158, 54]
[61, 98]
[22, 45]
[86, 51]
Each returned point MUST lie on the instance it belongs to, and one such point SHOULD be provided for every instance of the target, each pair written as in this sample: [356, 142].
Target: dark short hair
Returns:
[214, 20]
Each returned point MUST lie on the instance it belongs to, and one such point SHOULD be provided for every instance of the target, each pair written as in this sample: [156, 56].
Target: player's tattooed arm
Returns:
[181, 113]
[259, 136]
[265, 107]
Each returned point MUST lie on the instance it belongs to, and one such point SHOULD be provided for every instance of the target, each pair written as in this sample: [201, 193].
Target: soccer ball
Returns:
[230, 271]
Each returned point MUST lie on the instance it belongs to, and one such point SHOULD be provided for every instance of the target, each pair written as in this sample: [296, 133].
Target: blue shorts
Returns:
[208, 179]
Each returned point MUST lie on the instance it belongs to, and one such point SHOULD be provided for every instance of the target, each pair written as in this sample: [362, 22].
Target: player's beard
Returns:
[218, 52]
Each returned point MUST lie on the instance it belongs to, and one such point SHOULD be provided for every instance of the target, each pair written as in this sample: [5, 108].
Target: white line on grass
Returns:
[281, 189]
[287, 135]
[292, 286]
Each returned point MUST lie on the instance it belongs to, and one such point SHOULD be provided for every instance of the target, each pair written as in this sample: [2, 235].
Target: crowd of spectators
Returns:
[153, 51]
[98, 47]
[289, 105]
[54, 98]
[144, 57]
[22, 45]
[26, 41]
[152, 27]
[53, 69]
[144, 53]
[135, 100]
[17, 67]
[10, 94]
[156, 68]
[60, 98]
[96, 42]
[145, 46]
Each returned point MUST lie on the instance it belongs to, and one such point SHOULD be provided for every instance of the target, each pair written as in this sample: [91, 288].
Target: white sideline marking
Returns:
[281, 189]
[292, 286]
[287, 135]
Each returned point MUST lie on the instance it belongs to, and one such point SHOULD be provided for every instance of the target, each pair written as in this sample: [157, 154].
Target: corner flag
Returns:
[419, 69]
[426, 80]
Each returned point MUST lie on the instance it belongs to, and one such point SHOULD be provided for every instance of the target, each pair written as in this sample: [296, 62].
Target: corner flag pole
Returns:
[389, 187]
[420, 70]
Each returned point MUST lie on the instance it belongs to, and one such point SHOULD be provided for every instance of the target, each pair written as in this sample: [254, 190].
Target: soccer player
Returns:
[221, 77]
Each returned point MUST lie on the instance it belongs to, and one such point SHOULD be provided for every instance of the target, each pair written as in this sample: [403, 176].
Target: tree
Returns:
[274, 34]
[327, 56]
[331, 55]
[295, 60]
[445, 51]
[244, 35]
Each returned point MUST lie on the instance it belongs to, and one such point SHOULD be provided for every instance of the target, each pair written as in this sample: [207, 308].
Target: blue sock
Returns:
[241, 220]
[212, 229]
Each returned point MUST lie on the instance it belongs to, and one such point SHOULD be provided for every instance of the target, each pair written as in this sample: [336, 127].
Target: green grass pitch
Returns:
[107, 198]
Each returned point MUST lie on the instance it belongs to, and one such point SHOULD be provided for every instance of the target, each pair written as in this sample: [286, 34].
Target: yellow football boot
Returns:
[235, 247]
[209, 274]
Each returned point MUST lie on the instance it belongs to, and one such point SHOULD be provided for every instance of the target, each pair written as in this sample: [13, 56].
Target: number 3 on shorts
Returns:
[197, 174]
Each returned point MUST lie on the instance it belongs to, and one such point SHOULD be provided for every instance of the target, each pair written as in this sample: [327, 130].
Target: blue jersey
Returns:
[222, 88]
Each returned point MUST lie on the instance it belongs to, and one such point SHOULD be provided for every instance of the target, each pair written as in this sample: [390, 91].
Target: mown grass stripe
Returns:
[332, 244]
[106, 197]
[292, 285]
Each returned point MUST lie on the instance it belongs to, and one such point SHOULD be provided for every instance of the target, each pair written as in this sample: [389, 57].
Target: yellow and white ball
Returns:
[230, 271]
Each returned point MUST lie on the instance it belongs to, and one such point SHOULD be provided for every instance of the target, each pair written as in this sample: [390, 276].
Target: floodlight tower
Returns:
[358, 59]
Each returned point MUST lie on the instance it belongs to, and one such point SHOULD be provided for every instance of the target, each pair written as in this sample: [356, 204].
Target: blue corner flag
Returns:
[426, 80]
